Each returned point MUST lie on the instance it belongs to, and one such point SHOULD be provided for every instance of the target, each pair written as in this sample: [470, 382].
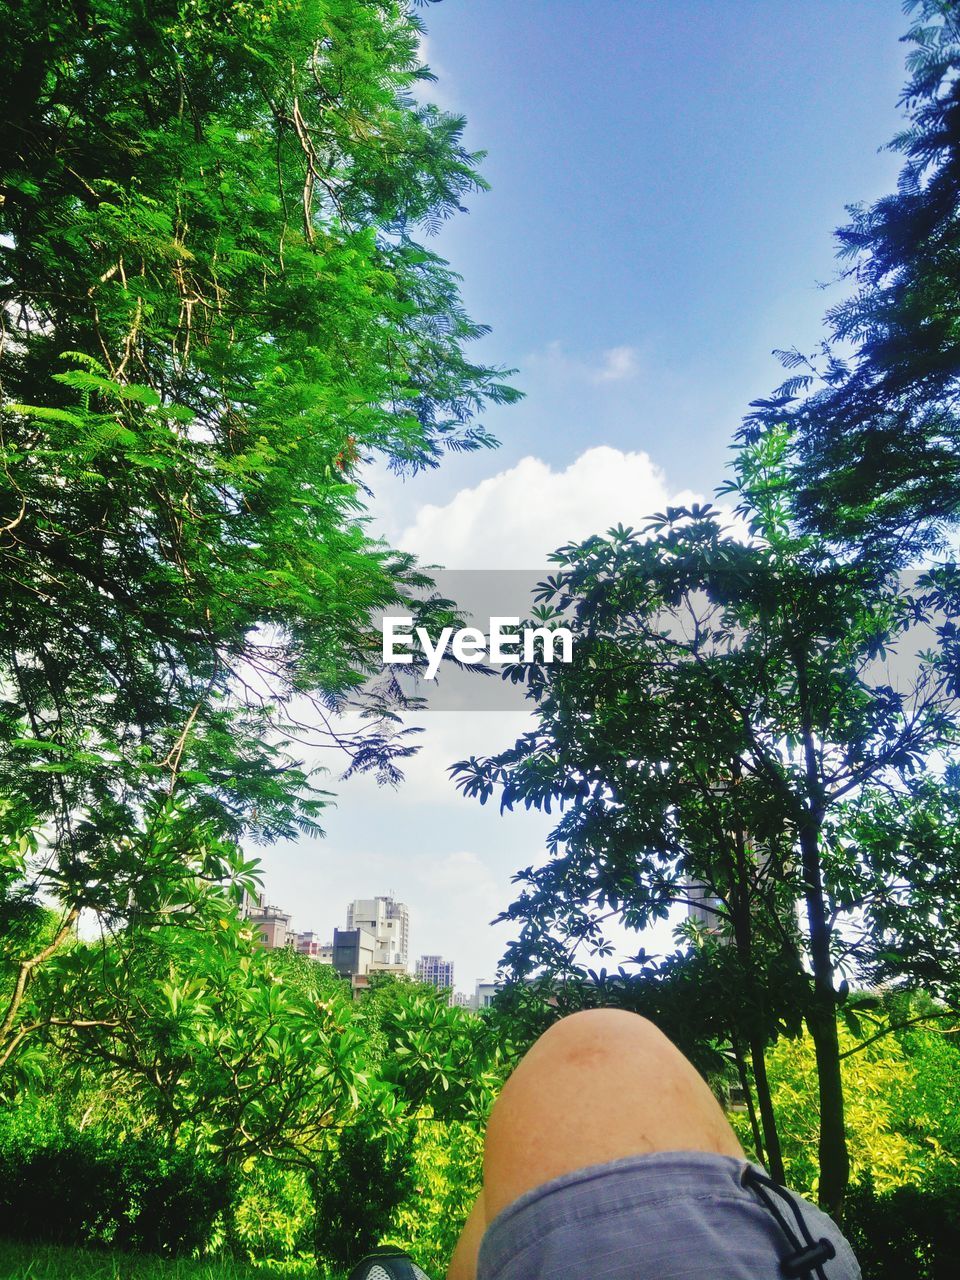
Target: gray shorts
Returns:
[673, 1215]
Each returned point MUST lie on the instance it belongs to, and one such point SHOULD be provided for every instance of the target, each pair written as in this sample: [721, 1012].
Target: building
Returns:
[354, 957]
[437, 972]
[704, 907]
[272, 924]
[460, 999]
[353, 952]
[483, 994]
[389, 923]
[309, 944]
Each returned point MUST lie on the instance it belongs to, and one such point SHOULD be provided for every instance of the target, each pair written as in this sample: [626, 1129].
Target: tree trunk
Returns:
[822, 1022]
[822, 1015]
[741, 906]
[834, 1157]
[10, 1037]
[767, 1114]
[748, 1096]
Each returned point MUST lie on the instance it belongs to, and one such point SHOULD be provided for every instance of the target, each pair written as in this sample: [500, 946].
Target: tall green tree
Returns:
[727, 697]
[216, 309]
[874, 412]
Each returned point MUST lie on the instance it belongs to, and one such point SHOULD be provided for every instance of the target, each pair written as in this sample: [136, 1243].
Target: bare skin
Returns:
[597, 1086]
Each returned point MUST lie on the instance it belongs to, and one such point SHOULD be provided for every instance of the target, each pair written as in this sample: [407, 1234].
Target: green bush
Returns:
[272, 1214]
[910, 1231]
[448, 1171]
[358, 1192]
[86, 1187]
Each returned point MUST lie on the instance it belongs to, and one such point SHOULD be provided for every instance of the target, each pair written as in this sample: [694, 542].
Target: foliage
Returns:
[273, 1214]
[274, 1210]
[906, 844]
[198, 1030]
[448, 1174]
[900, 1109]
[879, 1085]
[215, 312]
[874, 414]
[724, 706]
[438, 1055]
[909, 1231]
[73, 1186]
[444, 1067]
[929, 1111]
[218, 1053]
[358, 1190]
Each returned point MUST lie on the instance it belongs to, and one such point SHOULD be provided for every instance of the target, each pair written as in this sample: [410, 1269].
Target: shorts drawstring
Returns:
[808, 1255]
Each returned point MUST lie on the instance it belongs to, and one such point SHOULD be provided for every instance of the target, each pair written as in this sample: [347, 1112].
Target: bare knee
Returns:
[597, 1086]
[594, 1043]
[602, 1034]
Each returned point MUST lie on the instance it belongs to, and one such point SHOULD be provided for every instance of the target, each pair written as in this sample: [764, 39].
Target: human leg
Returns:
[596, 1087]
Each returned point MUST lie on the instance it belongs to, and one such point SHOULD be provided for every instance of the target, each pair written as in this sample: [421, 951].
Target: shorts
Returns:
[671, 1215]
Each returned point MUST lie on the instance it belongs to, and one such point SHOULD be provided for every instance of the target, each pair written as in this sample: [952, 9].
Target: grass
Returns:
[50, 1262]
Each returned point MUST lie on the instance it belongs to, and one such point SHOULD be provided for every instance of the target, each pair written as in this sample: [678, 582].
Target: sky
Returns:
[666, 179]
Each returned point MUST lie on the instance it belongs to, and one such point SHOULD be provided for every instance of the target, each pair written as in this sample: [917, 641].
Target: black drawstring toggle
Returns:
[804, 1261]
[808, 1255]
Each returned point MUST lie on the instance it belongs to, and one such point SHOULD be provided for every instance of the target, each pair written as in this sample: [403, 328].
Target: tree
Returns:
[210, 1042]
[219, 1054]
[879, 1085]
[358, 1194]
[726, 697]
[909, 843]
[874, 414]
[437, 1056]
[215, 311]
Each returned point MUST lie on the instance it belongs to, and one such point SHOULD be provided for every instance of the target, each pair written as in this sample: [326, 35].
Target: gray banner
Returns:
[462, 670]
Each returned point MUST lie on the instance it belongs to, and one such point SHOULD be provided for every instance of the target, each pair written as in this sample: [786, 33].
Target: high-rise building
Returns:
[353, 952]
[437, 972]
[389, 922]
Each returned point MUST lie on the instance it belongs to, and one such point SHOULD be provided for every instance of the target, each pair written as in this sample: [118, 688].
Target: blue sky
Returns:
[666, 180]
[666, 177]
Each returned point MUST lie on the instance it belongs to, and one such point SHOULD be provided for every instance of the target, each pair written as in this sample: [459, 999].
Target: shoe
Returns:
[387, 1264]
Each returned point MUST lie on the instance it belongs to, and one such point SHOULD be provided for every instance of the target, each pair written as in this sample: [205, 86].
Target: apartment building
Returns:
[437, 972]
[272, 923]
[388, 921]
[308, 944]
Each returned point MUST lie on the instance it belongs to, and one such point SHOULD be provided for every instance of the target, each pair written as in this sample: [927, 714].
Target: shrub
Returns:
[86, 1187]
[910, 1231]
[273, 1212]
[448, 1172]
[358, 1191]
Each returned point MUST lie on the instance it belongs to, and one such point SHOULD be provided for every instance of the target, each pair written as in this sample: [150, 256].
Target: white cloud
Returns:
[615, 364]
[435, 91]
[449, 888]
[513, 520]
[448, 857]
[618, 363]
